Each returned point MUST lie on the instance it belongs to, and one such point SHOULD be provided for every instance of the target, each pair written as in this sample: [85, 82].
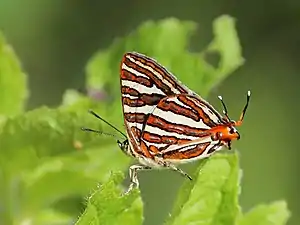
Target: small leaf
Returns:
[212, 198]
[273, 214]
[108, 205]
[226, 43]
[13, 83]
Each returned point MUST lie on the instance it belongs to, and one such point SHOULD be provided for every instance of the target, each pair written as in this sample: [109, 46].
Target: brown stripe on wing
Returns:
[188, 154]
[125, 75]
[147, 99]
[135, 117]
[141, 148]
[214, 148]
[211, 110]
[145, 150]
[136, 131]
[129, 91]
[165, 125]
[160, 69]
[185, 99]
[133, 102]
[156, 81]
[159, 139]
[166, 105]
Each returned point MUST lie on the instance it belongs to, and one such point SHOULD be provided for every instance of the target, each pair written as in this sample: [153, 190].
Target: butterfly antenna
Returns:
[98, 132]
[109, 124]
[225, 111]
[240, 121]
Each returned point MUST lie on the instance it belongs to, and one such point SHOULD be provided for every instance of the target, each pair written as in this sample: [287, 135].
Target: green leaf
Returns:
[108, 205]
[46, 132]
[212, 197]
[13, 83]
[167, 41]
[109, 111]
[43, 147]
[272, 214]
[226, 44]
[84, 170]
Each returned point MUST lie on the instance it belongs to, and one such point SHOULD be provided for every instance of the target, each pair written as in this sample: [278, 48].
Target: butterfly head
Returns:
[123, 145]
[227, 132]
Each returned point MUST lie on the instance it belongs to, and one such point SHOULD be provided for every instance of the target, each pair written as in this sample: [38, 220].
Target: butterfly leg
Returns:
[134, 182]
[173, 167]
[179, 171]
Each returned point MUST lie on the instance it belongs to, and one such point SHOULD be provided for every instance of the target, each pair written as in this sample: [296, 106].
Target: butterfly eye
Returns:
[216, 136]
[232, 130]
[120, 144]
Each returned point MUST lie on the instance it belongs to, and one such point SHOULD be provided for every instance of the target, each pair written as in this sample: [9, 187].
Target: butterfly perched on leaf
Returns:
[166, 122]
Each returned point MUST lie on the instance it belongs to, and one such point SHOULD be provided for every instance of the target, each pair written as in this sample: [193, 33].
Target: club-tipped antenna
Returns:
[109, 124]
[225, 111]
[240, 121]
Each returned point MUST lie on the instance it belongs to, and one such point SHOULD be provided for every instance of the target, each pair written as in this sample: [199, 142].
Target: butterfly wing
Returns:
[148, 91]
[144, 82]
[178, 128]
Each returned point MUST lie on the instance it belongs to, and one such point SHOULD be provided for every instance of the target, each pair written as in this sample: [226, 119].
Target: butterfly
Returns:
[167, 123]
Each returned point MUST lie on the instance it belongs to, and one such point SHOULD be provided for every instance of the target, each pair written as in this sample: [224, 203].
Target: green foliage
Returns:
[48, 164]
[212, 198]
[167, 41]
[12, 82]
[109, 206]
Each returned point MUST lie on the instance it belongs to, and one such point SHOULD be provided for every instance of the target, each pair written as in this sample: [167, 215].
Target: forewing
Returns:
[144, 82]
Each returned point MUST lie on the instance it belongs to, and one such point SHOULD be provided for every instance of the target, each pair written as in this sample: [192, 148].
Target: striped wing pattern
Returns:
[177, 129]
[162, 116]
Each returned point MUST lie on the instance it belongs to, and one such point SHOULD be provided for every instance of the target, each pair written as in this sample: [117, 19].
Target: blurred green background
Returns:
[55, 39]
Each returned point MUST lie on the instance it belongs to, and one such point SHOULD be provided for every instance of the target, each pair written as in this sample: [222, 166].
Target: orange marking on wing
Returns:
[188, 154]
[145, 150]
[153, 149]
